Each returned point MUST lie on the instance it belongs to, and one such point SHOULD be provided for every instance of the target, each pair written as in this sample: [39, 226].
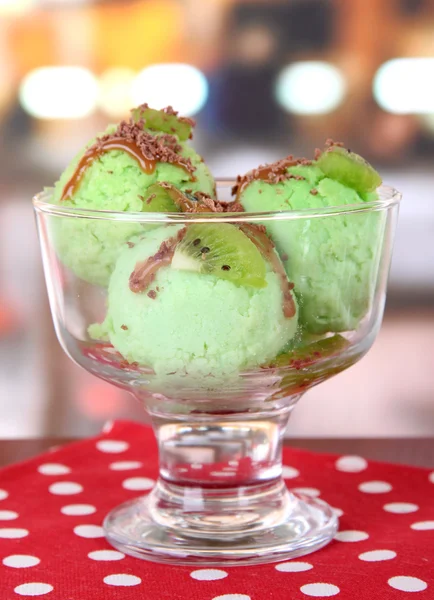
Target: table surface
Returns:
[410, 451]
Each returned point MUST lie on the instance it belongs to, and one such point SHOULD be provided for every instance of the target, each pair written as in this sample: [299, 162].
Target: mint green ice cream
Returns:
[192, 322]
[115, 181]
[332, 260]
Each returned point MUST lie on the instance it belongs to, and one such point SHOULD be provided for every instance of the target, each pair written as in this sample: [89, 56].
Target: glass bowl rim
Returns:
[387, 197]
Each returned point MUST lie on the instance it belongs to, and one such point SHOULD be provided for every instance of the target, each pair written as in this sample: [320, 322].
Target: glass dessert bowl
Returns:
[219, 332]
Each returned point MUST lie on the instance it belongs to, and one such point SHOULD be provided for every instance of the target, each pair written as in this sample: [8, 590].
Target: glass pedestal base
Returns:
[211, 527]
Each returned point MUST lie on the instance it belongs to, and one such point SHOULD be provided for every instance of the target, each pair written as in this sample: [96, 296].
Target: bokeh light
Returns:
[180, 85]
[59, 93]
[405, 86]
[15, 7]
[115, 97]
[310, 88]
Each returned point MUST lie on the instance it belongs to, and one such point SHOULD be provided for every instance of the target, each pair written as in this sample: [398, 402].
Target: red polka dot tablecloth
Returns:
[52, 544]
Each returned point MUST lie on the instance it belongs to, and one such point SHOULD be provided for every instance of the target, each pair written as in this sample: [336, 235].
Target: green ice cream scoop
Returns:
[192, 322]
[332, 260]
[114, 173]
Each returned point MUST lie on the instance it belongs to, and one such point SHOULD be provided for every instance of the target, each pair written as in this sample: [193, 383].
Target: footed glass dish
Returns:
[218, 362]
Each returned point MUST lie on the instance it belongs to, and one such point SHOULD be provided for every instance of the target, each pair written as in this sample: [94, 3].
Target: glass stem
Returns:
[220, 471]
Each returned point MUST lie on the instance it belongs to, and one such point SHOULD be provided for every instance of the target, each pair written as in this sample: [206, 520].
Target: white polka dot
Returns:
[78, 509]
[8, 515]
[232, 597]
[122, 579]
[320, 590]
[3, 494]
[423, 526]
[431, 477]
[407, 584]
[106, 555]
[125, 465]
[289, 472]
[196, 465]
[233, 463]
[89, 531]
[293, 567]
[377, 555]
[307, 491]
[65, 488]
[338, 511]
[351, 535]
[11, 533]
[208, 574]
[138, 483]
[21, 561]
[375, 487]
[112, 446]
[53, 469]
[33, 589]
[401, 508]
[351, 464]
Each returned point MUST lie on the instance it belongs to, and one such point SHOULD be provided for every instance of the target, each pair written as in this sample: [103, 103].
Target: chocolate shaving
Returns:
[273, 173]
[313, 191]
[146, 271]
[170, 111]
[232, 207]
[124, 364]
[130, 244]
[199, 203]
[329, 143]
[277, 172]
[124, 327]
[206, 204]
[144, 147]
[152, 294]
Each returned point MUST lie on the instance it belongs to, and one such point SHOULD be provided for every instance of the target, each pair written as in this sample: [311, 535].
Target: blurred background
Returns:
[263, 79]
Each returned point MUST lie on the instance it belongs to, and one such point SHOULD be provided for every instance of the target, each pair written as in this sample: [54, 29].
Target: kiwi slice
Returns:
[222, 250]
[306, 366]
[165, 197]
[349, 168]
[305, 356]
[159, 120]
[158, 199]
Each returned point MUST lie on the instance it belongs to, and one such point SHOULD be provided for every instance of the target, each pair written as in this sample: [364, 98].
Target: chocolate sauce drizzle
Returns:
[146, 270]
[273, 173]
[197, 202]
[257, 234]
[94, 152]
[145, 148]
